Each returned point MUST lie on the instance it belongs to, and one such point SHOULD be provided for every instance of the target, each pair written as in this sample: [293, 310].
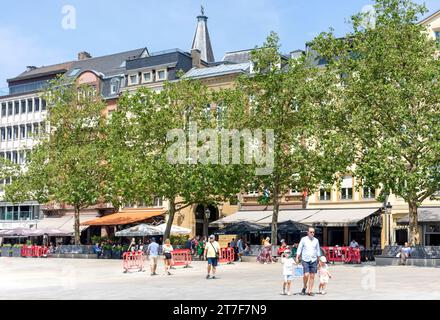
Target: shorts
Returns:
[167, 256]
[310, 267]
[288, 277]
[153, 259]
[213, 261]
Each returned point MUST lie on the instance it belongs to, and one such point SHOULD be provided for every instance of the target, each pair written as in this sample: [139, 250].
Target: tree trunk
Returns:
[414, 236]
[304, 199]
[76, 226]
[171, 213]
[276, 208]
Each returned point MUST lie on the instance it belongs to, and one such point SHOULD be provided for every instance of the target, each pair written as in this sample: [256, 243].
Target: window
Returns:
[74, 72]
[9, 133]
[437, 35]
[147, 77]
[347, 188]
[17, 107]
[3, 109]
[10, 109]
[252, 193]
[28, 130]
[161, 75]
[114, 86]
[3, 133]
[15, 132]
[15, 156]
[21, 157]
[157, 202]
[37, 104]
[22, 132]
[43, 105]
[23, 106]
[133, 79]
[324, 194]
[36, 129]
[369, 193]
[30, 105]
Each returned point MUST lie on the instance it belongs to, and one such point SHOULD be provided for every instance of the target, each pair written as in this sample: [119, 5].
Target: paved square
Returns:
[103, 279]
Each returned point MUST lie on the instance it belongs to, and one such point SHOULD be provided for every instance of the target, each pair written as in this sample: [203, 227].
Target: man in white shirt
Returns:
[309, 251]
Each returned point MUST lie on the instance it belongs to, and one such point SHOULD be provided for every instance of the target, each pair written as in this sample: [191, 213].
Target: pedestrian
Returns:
[288, 263]
[201, 248]
[240, 249]
[405, 253]
[282, 247]
[152, 255]
[309, 252]
[266, 253]
[324, 274]
[211, 253]
[167, 250]
[354, 244]
[247, 249]
[132, 246]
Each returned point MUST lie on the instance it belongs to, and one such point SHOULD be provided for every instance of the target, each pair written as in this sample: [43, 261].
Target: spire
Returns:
[201, 40]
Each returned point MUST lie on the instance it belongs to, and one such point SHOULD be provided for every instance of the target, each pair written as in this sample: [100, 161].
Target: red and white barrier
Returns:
[133, 261]
[226, 255]
[181, 257]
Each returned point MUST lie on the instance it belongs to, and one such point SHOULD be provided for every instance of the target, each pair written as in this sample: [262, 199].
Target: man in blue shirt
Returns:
[309, 251]
[152, 254]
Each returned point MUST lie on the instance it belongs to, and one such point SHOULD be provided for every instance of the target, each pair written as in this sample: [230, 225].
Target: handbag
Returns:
[299, 271]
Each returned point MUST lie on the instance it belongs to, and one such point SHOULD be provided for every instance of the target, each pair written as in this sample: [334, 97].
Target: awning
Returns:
[290, 215]
[125, 217]
[425, 214]
[339, 217]
[65, 223]
[249, 216]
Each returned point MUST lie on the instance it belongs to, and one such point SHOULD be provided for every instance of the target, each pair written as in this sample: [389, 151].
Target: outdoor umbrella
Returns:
[241, 228]
[17, 232]
[49, 232]
[174, 229]
[141, 230]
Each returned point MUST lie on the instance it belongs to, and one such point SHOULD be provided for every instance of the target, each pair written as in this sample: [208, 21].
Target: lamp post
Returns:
[388, 208]
[206, 224]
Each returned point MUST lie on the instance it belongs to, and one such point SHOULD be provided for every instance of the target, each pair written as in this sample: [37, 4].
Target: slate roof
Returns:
[218, 70]
[202, 41]
[238, 56]
[43, 71]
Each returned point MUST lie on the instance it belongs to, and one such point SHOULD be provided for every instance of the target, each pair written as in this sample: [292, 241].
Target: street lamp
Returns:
[206, 224]
[388, 208]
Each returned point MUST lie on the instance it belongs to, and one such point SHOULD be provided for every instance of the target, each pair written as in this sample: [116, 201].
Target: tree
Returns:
[67, 165]
[152, 150]
[386, 91]
[280, 96]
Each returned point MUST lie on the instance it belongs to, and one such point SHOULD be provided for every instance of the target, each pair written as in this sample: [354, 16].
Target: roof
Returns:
[430, 17]
[202, 40]
[43, 71]
[425, 214]
[108, 65]
[218, 70]
[125, 217]
[238, 56]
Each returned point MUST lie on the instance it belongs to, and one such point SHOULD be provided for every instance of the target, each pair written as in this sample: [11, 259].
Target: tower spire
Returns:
[201, 39]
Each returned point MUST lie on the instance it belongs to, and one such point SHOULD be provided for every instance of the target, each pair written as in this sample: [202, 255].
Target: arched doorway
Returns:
[200, 218]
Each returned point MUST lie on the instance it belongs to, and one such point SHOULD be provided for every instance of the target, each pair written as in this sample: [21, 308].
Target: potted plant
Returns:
[125, 248]
[107, 248]
[16, 250]
[117, 252]
[6, 250]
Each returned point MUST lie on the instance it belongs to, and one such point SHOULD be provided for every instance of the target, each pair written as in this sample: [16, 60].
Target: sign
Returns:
[374, 220]
[224, 239]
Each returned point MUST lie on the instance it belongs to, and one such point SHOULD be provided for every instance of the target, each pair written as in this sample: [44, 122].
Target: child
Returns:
[324, 274]
[288, 263]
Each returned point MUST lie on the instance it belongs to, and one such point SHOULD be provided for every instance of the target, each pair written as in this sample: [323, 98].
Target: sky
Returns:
[46, 32]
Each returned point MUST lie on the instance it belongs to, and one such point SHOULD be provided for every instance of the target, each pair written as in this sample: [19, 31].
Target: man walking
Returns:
[309, 251]
[153, 254]
[212, 249]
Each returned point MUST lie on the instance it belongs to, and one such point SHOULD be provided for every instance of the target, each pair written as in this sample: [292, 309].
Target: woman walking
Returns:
[201, 248]
[167, 252]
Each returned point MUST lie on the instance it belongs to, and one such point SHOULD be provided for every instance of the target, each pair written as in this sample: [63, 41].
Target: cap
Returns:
[212, 236]
[323, 259]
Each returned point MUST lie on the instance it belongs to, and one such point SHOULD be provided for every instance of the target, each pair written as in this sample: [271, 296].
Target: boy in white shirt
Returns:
[288, 263]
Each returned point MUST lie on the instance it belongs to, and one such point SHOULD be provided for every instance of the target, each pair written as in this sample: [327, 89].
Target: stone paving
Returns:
[34, 278]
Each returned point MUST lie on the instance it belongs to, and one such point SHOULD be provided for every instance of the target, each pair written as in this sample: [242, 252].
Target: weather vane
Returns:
[202, 10]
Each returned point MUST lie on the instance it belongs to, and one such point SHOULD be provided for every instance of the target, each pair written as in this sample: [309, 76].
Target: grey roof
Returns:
[43, 71]
[202, 40]
[238, 56]
[218, 70]
[107, 66]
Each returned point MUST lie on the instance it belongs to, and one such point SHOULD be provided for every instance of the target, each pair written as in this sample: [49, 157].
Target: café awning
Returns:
[125, 217]
[65, 223]
[425, 214]
[339, 217]
[290, 215]
[249, 216]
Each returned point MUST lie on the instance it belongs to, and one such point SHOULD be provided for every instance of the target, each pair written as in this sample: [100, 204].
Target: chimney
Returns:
[196, 58]
[83, 55]
[30, 68]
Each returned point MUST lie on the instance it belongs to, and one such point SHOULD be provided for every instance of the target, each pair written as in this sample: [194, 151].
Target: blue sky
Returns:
[31, 32]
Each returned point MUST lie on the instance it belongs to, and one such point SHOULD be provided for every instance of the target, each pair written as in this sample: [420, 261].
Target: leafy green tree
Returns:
[148, 157]
[67, 165]
[280, 95]
[386, 91]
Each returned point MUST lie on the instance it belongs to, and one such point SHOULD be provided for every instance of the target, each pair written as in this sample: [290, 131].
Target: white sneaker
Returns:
[273, 261]
[289, 293]
[265, 263]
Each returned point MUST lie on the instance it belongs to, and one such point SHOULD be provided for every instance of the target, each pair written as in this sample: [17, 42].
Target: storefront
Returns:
[429, 221]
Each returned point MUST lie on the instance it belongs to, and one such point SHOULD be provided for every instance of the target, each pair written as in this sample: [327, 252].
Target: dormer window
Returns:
[133, 79]
[161, 75]
[114, 86]
[147, 77]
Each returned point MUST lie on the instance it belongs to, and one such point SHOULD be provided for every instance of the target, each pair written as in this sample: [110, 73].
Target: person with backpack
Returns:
[212, 249]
